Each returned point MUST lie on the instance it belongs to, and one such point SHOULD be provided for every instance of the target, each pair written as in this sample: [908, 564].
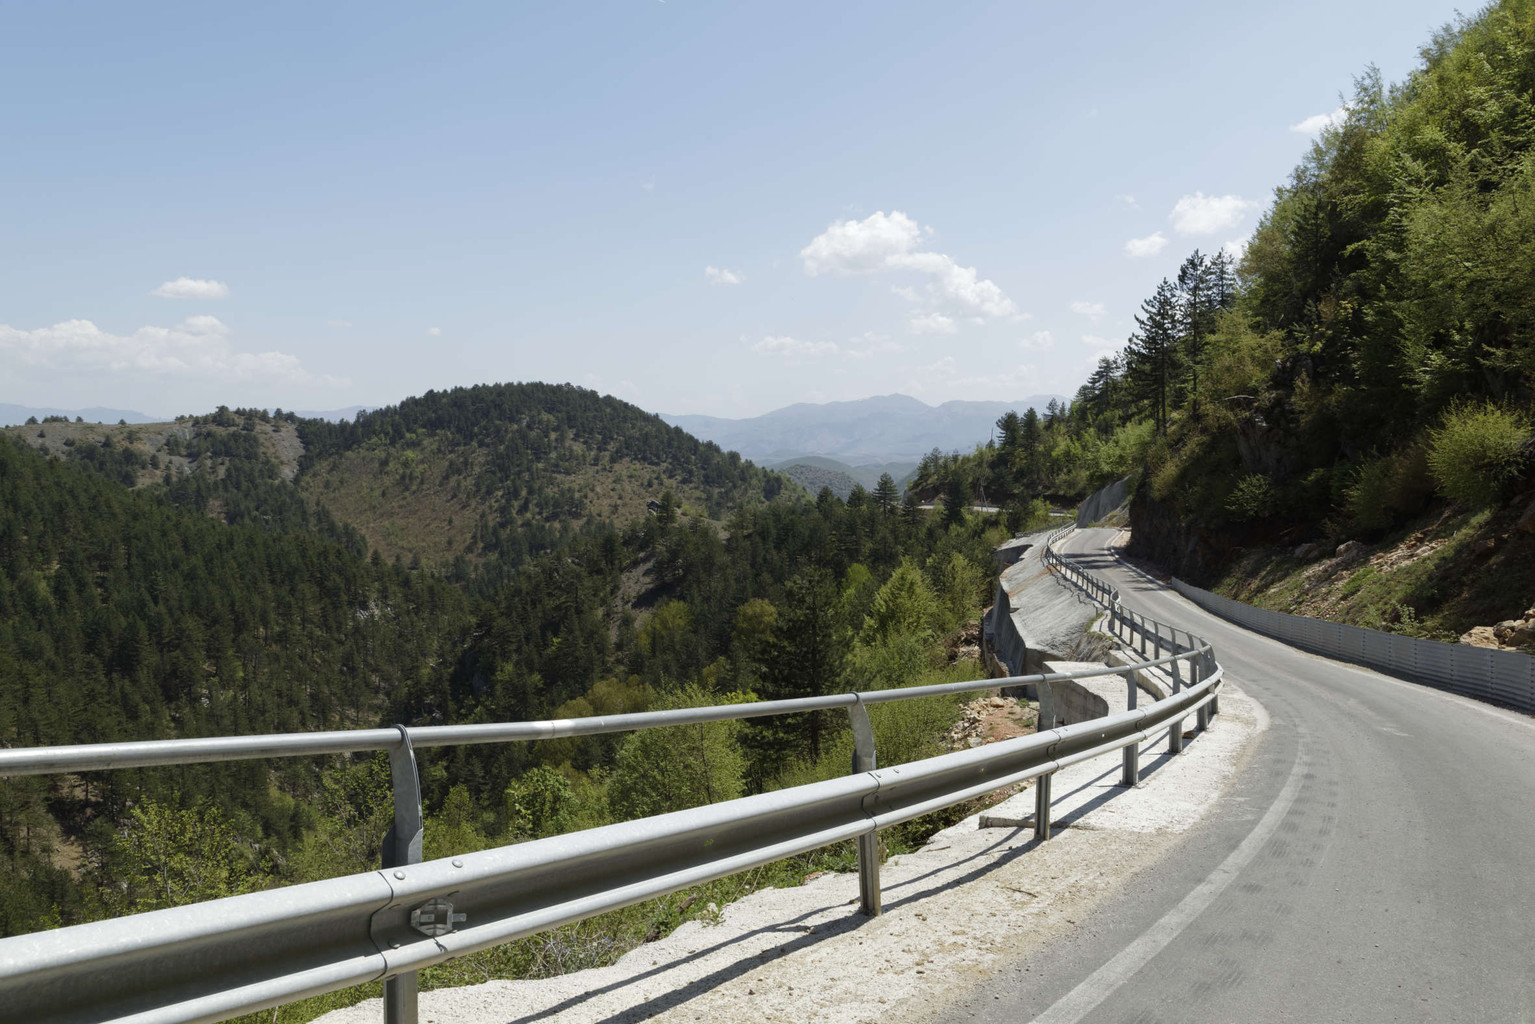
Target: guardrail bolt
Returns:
[435, 917]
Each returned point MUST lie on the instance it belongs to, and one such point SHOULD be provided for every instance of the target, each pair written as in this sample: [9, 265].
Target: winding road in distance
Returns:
[1374, 861]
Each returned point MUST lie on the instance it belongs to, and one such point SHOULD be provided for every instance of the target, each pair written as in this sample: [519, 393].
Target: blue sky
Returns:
[316, 206]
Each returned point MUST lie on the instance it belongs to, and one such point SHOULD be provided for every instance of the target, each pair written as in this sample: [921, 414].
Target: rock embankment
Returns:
[1508, 635]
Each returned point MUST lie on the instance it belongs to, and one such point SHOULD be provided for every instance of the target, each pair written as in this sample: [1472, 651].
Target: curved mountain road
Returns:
[1376, 861]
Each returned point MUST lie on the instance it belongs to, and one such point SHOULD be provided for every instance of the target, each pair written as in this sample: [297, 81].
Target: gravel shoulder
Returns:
[969, 902]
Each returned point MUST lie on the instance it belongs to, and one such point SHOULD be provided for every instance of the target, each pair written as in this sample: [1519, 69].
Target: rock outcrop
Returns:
[1509, 635]
[1186, 547]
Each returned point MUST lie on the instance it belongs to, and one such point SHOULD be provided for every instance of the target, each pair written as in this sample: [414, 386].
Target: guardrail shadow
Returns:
[699, 986]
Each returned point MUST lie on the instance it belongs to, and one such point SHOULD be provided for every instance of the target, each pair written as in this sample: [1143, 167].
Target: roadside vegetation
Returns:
[1364, 371]
[224, 598]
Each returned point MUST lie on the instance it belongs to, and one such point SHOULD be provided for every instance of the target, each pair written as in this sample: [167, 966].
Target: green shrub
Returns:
[1476, 451]
[1386, 489]
[1252, 498]
[661, 770]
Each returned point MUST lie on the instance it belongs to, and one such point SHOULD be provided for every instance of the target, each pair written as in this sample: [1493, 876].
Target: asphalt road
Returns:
[1375, 861]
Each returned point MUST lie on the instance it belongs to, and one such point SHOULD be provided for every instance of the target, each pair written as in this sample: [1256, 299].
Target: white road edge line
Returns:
[1097, 987]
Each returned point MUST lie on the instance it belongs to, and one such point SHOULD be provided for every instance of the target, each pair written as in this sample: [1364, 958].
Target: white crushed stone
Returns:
[966, 904]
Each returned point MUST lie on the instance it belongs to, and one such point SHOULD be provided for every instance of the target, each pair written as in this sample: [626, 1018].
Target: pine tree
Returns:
[1196, 310]
[809, 646]
[1030, 446]
[1151, 353]
[1009, 429]
[885, 494]
[1223, 281]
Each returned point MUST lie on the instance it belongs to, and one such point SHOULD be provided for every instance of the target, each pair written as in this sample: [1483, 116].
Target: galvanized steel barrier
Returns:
[214, 960]
[1500, 677]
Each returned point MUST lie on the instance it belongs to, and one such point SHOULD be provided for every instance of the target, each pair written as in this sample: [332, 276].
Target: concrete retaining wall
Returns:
[1500, 677]
[1100, 503]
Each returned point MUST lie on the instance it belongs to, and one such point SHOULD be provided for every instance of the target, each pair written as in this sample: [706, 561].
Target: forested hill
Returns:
[123, 616]
[512, 469]
[1364, 372]
[1374, 369]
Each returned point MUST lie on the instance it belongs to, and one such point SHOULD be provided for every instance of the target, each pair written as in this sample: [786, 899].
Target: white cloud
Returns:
[870, 345]
[434, 332]
[793, 347]
[1237, 247]
[1039, 341]
[932, 323]
[190, 288]
[1101, 346]
[1094, 311]
[884, 243]
[1200, 214]
[1128, 200]
[860, 246]
[196, 348]
[1317, 123]
[1140, 248]
[719, 275]
[343, 324]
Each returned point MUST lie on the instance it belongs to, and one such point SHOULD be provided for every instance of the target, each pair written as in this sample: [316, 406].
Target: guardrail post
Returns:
[1175, 736]
[402, 846]
[1042, 806]
[864, 760]
[1202, 717]
[1046, 719]
[1177, 670]
[1215, 704]
[1132, 773]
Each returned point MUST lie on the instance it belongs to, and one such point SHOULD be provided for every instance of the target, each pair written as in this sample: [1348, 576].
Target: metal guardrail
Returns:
[1500, 677]
[214, 960]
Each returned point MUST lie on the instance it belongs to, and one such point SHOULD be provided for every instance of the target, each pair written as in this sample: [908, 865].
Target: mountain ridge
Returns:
[880, 428]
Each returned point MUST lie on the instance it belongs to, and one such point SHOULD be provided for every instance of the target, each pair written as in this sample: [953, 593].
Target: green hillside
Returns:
[163, 580]
[509, 470]
[1366, 371]
[814, 477]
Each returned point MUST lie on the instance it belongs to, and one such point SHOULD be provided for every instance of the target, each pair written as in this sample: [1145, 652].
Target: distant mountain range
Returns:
[15, 415]
[887, 428]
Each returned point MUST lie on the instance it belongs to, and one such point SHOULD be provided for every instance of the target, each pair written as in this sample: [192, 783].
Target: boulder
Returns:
[1527, 521]
[1479, 636]
[1350, 549]
[1309, 552]
[1522, 635]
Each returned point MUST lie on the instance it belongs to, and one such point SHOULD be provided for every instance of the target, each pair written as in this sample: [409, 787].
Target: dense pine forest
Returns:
[1364, 371]
[185, 580]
